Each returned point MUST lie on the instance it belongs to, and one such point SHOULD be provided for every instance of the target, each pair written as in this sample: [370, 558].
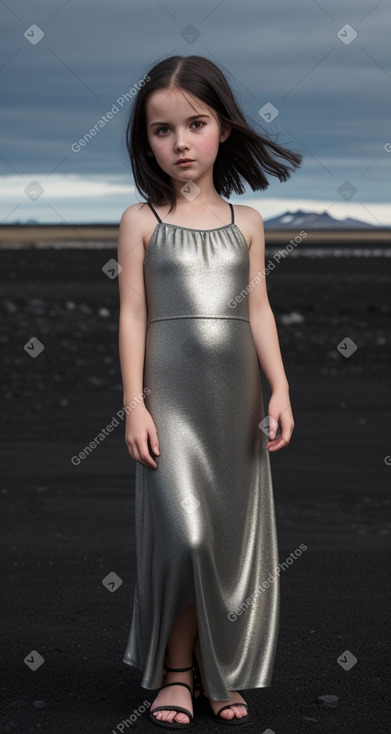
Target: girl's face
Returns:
[173, 135]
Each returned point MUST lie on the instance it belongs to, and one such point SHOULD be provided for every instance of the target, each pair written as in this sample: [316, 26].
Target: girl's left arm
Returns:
[265, 334]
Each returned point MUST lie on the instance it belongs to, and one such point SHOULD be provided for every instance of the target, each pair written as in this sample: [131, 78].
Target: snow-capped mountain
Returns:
[314, 220]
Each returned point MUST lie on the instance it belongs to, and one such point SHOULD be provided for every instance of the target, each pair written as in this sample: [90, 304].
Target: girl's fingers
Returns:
[145, 454]
[140, 452]
[273, 427]
[275, 443]
[154, 441]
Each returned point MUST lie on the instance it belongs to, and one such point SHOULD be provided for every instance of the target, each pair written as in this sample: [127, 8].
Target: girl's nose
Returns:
[180, 143]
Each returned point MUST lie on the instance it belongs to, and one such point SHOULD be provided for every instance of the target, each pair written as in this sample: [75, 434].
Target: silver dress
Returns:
[205, 518]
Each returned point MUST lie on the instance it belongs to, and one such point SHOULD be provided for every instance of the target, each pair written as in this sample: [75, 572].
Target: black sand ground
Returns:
[66, 527]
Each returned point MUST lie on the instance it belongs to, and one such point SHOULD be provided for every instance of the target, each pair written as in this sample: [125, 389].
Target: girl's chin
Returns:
[187, 170]
[187, 175]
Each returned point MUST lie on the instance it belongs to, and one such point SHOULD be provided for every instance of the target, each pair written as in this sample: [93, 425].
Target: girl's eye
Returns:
[195, 122]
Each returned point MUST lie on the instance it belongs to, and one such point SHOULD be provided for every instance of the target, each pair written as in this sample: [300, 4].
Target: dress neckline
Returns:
[152, 238]
[193, 229]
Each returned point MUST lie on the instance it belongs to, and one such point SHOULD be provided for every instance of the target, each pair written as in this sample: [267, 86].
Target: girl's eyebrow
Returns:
[193, 117]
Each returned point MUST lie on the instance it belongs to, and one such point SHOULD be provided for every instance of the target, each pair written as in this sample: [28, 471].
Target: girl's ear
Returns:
[226, 132]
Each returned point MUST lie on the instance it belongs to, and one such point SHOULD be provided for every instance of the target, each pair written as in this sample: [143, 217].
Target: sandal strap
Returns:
[177, 670]
[178, 684]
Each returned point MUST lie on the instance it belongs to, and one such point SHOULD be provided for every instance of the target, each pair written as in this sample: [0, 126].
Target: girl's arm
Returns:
[132, 333]
[133, 309]
[265, 334]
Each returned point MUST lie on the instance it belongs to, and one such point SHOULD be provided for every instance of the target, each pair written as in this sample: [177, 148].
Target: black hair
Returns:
[245, 154]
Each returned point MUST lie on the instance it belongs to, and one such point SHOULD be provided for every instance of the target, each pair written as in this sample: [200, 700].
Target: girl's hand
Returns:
[140, 428]
[280, 413]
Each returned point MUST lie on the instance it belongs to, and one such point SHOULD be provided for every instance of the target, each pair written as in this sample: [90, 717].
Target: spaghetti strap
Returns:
[233, 213]
[156, 214]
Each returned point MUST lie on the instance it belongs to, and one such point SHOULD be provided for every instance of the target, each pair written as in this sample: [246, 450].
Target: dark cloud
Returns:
[332, 96]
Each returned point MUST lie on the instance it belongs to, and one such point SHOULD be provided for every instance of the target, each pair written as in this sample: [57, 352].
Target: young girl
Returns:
[195, 327]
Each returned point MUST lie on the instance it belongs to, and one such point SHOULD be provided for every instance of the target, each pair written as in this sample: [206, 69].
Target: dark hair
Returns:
[244, 154]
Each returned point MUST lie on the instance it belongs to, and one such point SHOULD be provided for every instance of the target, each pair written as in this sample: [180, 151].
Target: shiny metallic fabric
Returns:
[205, 519]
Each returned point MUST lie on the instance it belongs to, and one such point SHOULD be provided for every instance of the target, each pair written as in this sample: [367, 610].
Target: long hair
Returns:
[245, 154]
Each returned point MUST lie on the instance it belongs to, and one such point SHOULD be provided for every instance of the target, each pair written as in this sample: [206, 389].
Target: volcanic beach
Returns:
[68, 535]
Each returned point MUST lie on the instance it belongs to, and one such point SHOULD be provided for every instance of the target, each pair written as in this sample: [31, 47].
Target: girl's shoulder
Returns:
[135, 216]
[249, 221]
[135, 211]
[248, 212]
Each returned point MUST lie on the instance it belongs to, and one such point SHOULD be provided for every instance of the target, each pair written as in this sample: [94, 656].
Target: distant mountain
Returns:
[288, 220]
[313, 220]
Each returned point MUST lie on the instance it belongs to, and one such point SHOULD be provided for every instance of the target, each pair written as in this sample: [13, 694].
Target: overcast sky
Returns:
[330, 86]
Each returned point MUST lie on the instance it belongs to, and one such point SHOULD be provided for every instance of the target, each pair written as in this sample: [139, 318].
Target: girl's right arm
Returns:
[140, 427]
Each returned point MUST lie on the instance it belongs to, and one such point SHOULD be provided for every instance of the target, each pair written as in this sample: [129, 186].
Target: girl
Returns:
[195, 327]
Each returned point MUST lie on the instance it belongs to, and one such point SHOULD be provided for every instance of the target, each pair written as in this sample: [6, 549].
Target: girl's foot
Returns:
[175, 695]
[235, 710]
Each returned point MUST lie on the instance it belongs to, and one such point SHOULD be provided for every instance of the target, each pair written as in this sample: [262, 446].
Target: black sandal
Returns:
[179, 709]
[236, 721]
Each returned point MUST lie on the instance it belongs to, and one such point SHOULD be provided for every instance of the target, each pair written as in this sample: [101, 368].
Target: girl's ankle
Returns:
[178, 662]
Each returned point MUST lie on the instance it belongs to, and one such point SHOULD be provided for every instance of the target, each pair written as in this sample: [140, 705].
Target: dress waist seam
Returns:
[193, 316]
